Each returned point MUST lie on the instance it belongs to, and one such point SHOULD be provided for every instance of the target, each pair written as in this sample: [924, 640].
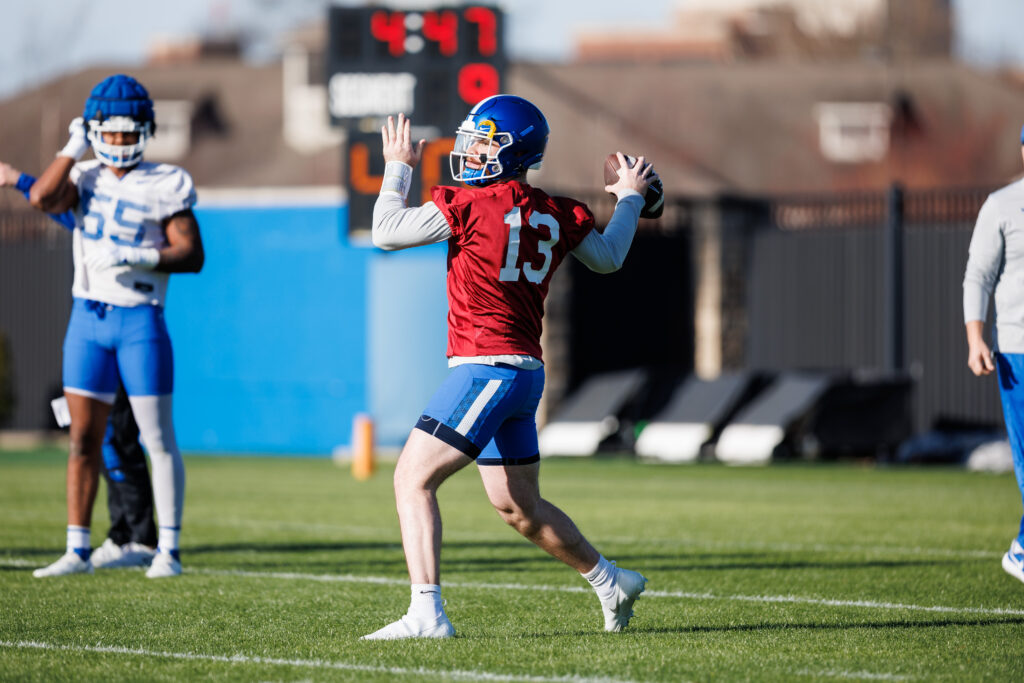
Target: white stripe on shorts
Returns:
[103, 398]
[478, 405]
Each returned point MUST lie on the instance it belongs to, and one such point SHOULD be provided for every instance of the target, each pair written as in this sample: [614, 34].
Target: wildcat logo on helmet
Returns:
[502, 137]
[119, 104]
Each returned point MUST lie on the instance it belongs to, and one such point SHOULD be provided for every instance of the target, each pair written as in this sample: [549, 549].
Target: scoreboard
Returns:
[432, 65]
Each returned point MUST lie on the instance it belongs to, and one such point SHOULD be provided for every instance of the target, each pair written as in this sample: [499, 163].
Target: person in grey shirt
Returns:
[995, 270]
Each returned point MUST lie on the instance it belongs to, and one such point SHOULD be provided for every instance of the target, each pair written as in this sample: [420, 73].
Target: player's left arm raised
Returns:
[184, 251]
[396, 226]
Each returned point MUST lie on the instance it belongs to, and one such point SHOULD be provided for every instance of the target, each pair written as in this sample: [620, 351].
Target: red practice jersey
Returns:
[507, 240]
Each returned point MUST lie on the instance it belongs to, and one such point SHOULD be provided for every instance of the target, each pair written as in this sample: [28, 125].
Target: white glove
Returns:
[78, 143]
[142, 257]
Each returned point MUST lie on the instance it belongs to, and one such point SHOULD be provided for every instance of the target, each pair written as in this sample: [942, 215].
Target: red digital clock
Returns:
[434, 62]
[432, 65]
[398, 30]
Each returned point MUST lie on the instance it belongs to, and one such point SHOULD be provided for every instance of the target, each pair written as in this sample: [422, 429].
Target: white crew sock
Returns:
[426, 604]
[78, 541]
[602, 578]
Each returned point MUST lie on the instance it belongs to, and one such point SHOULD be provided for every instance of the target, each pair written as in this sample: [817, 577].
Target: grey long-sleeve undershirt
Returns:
[398, 227]
[995, 267]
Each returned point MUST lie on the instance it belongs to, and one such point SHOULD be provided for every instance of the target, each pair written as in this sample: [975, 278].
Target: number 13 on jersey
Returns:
[512, 269]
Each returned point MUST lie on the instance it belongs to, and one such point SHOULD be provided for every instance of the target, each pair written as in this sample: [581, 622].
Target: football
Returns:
[654, 200]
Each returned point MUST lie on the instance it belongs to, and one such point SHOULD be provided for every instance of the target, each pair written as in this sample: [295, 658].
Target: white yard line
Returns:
[20, 562]
[832, 602]
[473, 675]
[854, 675]
[470, 675]
[795, 599]
[680, 595]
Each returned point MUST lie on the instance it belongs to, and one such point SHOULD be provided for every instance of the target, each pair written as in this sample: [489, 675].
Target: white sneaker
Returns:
[628, 587]
[1013, 561]
[406, 627]
[164, 566]
[69, 563]
[113, 556]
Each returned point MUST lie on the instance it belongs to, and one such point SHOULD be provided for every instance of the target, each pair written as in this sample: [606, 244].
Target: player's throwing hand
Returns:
[398, 142]
[636, 177]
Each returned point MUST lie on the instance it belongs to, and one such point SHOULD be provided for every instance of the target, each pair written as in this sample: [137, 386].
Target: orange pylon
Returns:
[363, 461]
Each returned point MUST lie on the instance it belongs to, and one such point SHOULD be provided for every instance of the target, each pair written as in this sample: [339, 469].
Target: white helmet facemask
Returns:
[119, 156]
[486, 146]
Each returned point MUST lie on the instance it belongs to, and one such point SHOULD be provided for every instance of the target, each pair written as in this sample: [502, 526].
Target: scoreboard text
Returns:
[432, 65]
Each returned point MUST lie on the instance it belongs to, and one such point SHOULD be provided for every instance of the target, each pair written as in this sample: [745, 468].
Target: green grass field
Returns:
[787, 573]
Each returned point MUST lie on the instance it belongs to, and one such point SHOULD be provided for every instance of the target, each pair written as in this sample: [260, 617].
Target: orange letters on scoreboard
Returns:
[363, 182]
[432, 153]
[359, 170]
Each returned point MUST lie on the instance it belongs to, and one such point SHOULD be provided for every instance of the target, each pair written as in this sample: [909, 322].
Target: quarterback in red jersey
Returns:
[502, 314]
[505, 240]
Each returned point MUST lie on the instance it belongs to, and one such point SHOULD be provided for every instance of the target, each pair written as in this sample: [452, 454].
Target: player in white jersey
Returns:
[131, 539]
[133, 227]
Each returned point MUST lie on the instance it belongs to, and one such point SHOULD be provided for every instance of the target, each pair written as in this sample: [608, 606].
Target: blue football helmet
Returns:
[504, 136]
[119, 104]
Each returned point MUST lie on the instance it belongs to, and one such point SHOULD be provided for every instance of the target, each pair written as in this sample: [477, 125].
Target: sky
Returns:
[42, 39]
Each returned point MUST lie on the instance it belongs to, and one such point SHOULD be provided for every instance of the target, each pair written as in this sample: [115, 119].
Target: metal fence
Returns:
[819, 293]
[35, 301]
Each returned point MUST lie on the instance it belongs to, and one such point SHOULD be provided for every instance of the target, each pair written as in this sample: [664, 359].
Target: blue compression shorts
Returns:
[487, 412]
[104, 340]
